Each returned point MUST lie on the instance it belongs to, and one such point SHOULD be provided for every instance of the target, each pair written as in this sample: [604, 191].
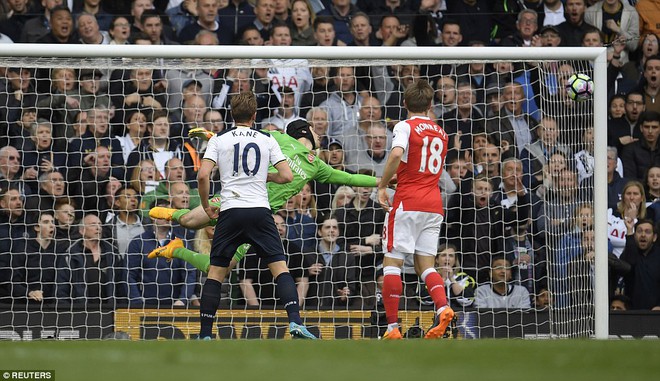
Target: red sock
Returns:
[392, 288]
[436, 287]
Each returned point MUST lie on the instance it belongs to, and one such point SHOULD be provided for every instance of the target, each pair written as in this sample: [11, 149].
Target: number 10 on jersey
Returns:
[243, 156]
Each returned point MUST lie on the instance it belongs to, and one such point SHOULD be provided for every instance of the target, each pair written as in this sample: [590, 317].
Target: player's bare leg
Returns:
[424, 266]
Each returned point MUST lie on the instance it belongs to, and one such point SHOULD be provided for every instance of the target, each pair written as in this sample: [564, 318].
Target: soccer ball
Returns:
[579, 87]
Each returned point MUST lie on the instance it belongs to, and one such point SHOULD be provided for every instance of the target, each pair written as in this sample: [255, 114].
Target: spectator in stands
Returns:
[207, 14]
[615, 182]
[160, 282]
[94, 8]
[264, 12]
[51, 187]
[459, 286]
[361, 225]
[622, 21]
[317, 117]
[632, 205]
[575, 26]
[152, 25]
[527, 256]
[584, 159]
[341, 12]
[11, 170]
[33, 264]
[286, 112]
[641, 252]
[125, 222]
[391, 32]
[136, 127]
[256, 281]
[648, 17]
[81, 150]
[182, 14]
[451, 36]
[536, 155]
[89, 31]
[66, 231]
[526, 27]
[478, 25]
[553, 12]
[624, 130]
[580, 271]
[650, 85]
[213, 121]
[16, 133]
[301, 227]
[20, 93]
[474, 226]
[144, 179]
[620, 303]
[324, 32]
[633, 70]
[19, 12]
[461, 122]
[61, 28]
[404, 76]
[371, 151]
[570, 244]
[639, 156]
[12, 221]
[193, 109]
[513, 129]
[141, 88]
[92, 273]
[302, 18]
[182, 84]
[238, 14]
[332, 277]
[174, 173]
[92, 91]
[250, 35]
[137, 8]
[343, 196]
[159, 147]
[561, 202]
[120, 31]
[40, 26]
[39, 153]
[501, 292]
[445, 96]
[344, 104]
[322, 86]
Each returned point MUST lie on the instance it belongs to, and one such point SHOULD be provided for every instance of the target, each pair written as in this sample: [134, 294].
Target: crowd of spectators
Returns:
[85, 153]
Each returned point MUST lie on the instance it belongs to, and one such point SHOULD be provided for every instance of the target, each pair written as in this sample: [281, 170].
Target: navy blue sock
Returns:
[286, 290]
[208, 306]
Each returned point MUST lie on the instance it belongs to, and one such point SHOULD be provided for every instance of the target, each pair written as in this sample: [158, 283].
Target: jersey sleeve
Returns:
[329, 175]
[212, 150]
[276, 154]
[401, 135]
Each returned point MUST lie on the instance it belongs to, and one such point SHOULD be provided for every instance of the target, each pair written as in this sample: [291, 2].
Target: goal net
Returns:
[89, 145]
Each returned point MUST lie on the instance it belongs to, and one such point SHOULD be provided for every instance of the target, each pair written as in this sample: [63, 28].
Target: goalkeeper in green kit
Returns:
[298, 145]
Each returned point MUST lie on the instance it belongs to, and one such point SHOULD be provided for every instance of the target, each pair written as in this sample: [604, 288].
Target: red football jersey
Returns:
[425, 146]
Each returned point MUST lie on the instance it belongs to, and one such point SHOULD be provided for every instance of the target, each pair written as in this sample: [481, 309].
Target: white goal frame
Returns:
[596, 55]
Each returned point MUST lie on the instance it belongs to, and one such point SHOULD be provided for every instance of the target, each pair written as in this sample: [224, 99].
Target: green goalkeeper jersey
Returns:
[306, 166]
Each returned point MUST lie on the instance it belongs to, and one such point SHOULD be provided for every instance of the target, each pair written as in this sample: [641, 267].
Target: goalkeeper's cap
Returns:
[300, 128]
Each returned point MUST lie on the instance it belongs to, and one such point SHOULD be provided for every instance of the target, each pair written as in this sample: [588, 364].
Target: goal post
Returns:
[127, 57]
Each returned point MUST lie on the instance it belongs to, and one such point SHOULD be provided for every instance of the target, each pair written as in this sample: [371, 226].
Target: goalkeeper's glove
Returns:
[201, 133]
[241, 251]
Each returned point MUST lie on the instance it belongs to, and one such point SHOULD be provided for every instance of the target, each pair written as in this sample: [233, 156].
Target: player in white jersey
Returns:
[243, 156]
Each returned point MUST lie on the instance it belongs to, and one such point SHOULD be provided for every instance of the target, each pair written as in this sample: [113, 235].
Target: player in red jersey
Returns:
[412, 224]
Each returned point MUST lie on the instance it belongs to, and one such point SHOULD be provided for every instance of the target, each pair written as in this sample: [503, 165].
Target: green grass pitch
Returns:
[556, 360]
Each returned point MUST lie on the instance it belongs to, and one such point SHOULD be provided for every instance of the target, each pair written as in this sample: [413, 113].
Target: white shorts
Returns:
[411, 232]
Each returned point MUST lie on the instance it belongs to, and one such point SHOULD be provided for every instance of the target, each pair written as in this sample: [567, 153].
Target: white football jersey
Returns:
[243, 156]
